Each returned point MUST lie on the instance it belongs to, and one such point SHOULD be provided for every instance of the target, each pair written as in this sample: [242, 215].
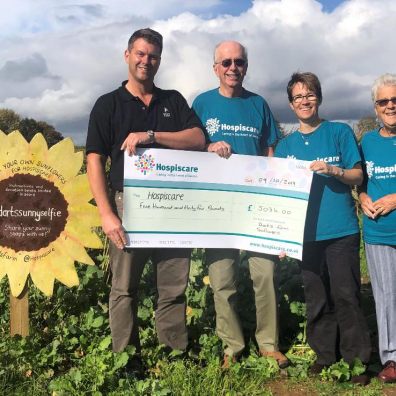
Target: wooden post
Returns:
[19, 313]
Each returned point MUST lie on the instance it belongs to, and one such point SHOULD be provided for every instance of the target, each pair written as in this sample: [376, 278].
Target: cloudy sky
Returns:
[57, 57]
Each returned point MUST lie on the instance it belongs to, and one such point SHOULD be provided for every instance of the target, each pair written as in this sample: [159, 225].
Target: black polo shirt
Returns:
[119, 113]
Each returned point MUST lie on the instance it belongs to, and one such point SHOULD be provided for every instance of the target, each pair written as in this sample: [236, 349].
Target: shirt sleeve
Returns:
[188, 117]
[349, 147]
[281, 149]
[361, 151]
[197, 108]
[99, 136]
[273, 133]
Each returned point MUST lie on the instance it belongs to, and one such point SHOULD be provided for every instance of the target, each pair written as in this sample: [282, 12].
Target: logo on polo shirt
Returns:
[369, 168]
[145, 163]
[380, 172]
[166, 112]
[212, 125]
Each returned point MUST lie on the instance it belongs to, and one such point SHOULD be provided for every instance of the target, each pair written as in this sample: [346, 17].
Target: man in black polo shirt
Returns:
[140, 114]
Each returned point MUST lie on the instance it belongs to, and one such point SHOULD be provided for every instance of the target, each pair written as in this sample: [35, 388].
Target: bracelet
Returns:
[335, 173]
[151, 136]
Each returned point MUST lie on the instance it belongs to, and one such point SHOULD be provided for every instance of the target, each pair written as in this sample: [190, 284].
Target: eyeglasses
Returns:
[384, 102]
[299, 98]
[239, 62]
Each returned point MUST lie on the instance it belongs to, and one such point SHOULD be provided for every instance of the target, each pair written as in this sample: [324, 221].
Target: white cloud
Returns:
[69, 53]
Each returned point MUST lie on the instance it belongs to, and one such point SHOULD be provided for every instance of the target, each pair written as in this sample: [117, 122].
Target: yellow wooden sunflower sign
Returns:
[46, 220]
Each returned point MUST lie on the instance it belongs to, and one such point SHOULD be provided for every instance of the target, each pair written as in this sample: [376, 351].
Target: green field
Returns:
[69, 349]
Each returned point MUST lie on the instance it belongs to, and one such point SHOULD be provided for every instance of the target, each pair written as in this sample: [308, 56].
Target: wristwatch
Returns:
[151, 135]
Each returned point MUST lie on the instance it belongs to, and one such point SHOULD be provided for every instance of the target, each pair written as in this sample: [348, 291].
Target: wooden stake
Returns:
[19, 313]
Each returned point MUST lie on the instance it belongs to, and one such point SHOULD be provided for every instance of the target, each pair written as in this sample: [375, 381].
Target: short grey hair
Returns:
[244, 49]
[386, 79]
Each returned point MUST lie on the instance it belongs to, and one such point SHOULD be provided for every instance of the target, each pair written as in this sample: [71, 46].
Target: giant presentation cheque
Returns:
[185, 199]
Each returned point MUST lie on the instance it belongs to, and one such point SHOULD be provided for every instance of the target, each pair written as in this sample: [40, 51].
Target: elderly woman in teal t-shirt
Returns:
[330, 265]
[378, 200]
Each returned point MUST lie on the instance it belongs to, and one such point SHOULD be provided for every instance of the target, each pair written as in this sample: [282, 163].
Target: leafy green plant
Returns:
[69, 351]
[342, 371]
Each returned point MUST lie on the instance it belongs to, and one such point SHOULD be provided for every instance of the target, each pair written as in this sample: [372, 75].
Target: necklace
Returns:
[305, 137]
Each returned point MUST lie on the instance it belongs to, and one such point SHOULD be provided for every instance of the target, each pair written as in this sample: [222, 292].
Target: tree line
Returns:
[11, 121]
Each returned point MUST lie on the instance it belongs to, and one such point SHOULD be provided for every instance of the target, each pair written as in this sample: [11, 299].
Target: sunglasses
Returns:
[384, 102]
[228, 62]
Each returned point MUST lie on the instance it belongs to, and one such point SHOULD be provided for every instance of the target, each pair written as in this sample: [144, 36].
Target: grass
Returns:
[69, 349]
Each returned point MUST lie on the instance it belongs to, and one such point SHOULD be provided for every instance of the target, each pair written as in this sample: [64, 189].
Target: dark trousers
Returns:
[336, 326]
[171, 270]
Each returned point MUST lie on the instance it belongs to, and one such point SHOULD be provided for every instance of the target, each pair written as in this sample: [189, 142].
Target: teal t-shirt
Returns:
[379, 158]
[331, 211]
[245, 122]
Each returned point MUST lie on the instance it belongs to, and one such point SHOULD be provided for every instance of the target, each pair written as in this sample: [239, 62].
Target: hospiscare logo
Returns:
[374, 170]
[214, 125]
[146, 163]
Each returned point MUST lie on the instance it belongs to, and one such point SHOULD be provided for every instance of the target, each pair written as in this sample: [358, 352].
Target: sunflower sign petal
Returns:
[2, 138]
[85, 235]
[43, 279]
[75, 250]
[2, 270]
[38, 147]
[63, 157]
[46, 220]
[77, 189]
[14, 145]
[66, 273]
[17, 276]
[88, 212]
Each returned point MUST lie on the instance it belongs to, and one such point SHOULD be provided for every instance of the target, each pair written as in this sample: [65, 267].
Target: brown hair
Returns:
[150, 35]
[310, 80]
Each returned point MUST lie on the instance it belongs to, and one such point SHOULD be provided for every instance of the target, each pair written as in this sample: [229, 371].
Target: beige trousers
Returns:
[171, 271]
[223, 265]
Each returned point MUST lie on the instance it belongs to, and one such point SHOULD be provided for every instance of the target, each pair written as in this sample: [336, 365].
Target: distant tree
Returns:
[28, 127]
[365, 124]
[11, 121]
[52, 136]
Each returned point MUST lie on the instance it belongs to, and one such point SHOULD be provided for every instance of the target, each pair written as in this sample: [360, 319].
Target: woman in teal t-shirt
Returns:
[378, 200]
[330, 268]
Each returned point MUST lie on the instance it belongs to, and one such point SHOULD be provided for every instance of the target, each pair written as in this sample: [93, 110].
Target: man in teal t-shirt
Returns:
[244, 123]
[240, 122]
